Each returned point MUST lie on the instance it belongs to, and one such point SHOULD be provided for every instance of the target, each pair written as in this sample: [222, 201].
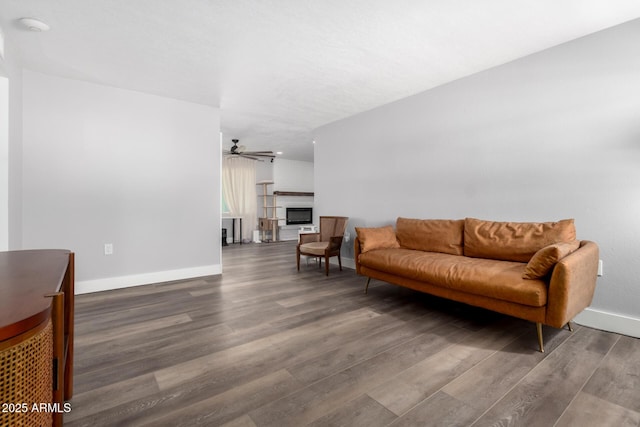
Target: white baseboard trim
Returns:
[98, 285]
[611, 322]
[349, 263]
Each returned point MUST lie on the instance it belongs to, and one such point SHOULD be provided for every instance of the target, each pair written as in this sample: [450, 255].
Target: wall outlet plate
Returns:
[108, 248]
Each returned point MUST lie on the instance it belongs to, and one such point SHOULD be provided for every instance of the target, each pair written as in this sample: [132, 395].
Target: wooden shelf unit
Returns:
[268, 222]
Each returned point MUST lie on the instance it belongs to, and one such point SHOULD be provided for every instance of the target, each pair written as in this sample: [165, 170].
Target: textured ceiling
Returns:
[277, 69]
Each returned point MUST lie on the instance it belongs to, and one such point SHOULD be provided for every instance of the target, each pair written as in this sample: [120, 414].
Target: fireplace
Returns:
[299, 216]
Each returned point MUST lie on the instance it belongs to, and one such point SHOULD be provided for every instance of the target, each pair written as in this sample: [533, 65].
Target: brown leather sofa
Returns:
[534, 271]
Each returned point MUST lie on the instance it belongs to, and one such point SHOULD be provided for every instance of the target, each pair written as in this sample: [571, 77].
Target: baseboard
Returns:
[346, 262]
[98, 285]
[611, 322]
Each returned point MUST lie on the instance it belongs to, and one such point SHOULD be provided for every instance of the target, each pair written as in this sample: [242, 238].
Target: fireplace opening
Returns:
[299, 216]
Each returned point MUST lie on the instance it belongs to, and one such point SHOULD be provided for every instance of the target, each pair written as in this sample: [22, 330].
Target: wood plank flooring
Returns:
[265, 345]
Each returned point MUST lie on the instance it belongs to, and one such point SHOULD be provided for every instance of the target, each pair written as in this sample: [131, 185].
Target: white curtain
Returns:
[239, 191]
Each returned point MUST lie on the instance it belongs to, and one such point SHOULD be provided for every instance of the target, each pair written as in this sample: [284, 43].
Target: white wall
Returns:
[106, 165]
[264, 171]
[286, 174]
[11, 188]
[4, 162]
[550, 136]
[292, 175]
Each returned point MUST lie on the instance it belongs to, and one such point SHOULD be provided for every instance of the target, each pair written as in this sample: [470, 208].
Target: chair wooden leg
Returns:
[298, 258]
[326, 265]
[366, 287]
[540, 341]
[569, 326]
[340, 262]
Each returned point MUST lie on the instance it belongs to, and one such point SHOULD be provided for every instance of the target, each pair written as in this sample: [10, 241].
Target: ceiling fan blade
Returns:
[249, 157]
[239, 150]
[260, 154]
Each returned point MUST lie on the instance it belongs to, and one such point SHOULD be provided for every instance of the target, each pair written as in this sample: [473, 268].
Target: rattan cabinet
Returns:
[36, 336]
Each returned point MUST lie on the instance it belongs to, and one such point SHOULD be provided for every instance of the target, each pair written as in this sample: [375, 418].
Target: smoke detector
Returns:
[33, 24]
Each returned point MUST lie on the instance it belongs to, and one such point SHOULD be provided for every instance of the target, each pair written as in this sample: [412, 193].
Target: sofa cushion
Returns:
[543, 261]
[490, 278]
[376, 238]
[431, 235]
[513, 241]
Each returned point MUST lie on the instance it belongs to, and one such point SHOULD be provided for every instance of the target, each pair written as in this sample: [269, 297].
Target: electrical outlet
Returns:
[108, 248]
[599, 268]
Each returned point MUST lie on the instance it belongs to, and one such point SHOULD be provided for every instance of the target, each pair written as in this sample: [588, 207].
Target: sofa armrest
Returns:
[356, 254]
[572, 284]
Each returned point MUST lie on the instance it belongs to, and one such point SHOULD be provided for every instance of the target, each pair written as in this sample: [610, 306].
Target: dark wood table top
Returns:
[26, 277]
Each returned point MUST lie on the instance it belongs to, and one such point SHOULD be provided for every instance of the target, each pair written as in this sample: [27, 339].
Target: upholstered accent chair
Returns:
[324, 244]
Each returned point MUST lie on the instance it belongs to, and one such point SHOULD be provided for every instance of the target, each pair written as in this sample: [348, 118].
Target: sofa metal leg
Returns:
[540, 341]
[569, 326]
[366, 287]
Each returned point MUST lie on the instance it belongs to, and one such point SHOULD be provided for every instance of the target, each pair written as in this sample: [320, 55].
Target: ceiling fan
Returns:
[254, 155]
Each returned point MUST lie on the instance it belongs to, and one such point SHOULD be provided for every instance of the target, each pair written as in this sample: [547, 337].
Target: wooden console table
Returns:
[36, 336]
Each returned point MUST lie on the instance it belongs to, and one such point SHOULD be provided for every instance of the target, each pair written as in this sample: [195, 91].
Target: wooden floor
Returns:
[265, 345]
